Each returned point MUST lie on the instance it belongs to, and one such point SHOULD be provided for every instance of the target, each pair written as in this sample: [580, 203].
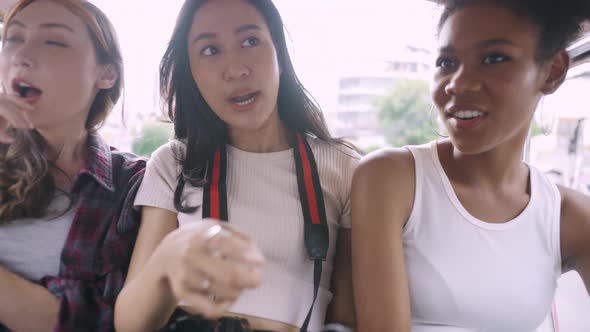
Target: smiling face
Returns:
[488, 81]
[48, 58]
[234, 63]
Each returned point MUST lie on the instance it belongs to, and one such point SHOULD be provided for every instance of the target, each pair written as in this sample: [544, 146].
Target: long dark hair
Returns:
[27, 186]
[195, 122]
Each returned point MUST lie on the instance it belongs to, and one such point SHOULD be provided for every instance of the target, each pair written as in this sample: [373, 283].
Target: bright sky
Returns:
[327, 38]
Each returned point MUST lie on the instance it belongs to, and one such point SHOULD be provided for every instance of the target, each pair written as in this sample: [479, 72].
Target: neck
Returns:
[66, 147]
[271, 137]
[493, 168]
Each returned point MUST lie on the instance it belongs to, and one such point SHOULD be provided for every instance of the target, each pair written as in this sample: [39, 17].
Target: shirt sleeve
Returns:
[84, 306]
[161, 178]
[346, 217]
[87, 299]
[349, 165]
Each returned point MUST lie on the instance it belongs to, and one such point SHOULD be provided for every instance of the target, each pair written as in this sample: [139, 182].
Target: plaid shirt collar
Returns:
[98, 163]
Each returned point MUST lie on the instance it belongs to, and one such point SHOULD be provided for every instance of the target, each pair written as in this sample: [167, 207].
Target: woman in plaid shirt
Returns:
[66, 223]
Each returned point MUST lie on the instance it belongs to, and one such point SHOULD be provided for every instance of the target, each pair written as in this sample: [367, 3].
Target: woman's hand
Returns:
[13, 114]
[207, 265]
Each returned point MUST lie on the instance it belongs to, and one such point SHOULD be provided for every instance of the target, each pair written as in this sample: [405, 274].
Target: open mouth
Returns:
[466, 119]
[468, 115]
[244, 100]
[26, 90]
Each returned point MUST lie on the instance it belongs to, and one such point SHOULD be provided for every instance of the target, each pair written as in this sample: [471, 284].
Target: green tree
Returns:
[152, 136]
[536, 129]
[404, 114]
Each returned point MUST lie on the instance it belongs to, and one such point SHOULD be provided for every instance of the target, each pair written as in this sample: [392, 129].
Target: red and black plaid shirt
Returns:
[97, 251]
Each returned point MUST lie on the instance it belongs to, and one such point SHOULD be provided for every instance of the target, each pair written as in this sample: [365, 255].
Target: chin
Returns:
[247, 126]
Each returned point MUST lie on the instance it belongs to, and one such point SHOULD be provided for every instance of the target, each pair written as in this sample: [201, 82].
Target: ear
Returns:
[556, 72]
[107, 77]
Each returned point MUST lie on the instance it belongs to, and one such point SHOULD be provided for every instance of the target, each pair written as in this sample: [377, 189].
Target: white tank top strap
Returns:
[421, 157]
[549, 193]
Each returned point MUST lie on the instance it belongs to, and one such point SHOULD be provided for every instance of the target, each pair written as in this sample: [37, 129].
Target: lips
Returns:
[465, 116]
[26, 90]
[466, 123]
[244, 100]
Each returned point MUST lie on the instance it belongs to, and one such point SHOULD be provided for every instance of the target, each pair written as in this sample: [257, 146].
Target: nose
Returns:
[23, 56]
[23, 62]
[463, 81]
[236, 71]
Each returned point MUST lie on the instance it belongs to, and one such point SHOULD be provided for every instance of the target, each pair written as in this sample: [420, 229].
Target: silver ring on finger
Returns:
[204, 285]
[212, 232]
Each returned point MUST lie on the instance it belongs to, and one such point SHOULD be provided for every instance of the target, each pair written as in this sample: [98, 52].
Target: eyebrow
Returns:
[247, 27]
[210, 35]
[494, 42]
[446, 49]
[481, 44]
[49, 25]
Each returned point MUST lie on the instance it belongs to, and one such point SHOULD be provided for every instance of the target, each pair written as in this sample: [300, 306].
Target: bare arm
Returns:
[341, 309]
[382, 199]
[575, 233]
[137, 309]
[25, 306]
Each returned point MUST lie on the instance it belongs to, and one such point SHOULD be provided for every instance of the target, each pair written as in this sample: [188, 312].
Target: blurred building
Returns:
[359, 90]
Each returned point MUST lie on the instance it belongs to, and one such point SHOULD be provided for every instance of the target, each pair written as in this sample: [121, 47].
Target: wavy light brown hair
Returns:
[27, 186]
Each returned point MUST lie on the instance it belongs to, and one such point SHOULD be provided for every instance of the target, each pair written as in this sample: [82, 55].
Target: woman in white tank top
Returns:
[461, 234]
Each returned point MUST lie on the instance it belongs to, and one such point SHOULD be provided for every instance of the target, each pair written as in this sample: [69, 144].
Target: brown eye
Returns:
[250, 42]
[210, 51]
[495, 58]
[446, 63]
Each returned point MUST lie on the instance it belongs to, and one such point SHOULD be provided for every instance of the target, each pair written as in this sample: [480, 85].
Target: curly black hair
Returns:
[559, 22]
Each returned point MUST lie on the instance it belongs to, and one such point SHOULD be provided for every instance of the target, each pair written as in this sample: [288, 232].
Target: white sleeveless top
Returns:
[469, 275]
[32, 247]
[263, 202]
